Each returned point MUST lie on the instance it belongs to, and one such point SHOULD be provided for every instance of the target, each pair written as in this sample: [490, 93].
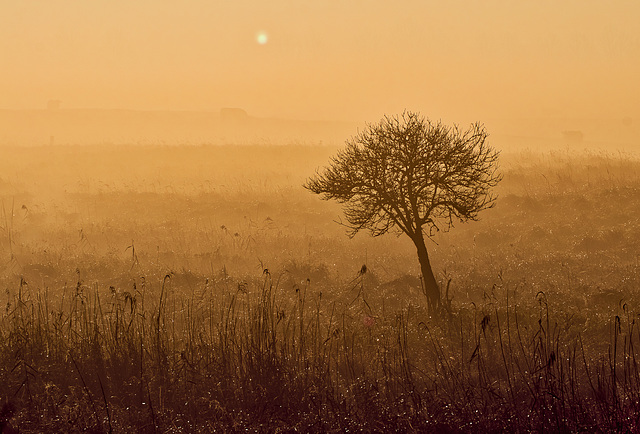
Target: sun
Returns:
[262, 38]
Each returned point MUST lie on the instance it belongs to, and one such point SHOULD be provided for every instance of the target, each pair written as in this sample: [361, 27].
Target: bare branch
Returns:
[409, 173]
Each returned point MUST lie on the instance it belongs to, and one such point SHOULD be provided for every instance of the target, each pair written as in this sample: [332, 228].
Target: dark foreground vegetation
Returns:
[156, 290]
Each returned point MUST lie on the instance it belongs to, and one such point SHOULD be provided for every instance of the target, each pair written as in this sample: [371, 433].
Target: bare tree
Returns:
[414, 176]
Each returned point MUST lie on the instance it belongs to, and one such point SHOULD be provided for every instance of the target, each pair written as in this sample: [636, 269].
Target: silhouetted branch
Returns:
[407, 172]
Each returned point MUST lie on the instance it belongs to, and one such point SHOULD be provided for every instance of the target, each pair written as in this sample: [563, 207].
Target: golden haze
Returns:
[349, 61]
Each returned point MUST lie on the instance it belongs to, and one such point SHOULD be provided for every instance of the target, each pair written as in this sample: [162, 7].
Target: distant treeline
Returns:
[96, 126]
[60, 126]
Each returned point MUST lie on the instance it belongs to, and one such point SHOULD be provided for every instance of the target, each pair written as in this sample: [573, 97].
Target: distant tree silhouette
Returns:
[414, 176]
[233, 114]
[573, 137]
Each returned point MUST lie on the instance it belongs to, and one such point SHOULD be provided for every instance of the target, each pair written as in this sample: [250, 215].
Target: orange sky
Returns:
[326, 59]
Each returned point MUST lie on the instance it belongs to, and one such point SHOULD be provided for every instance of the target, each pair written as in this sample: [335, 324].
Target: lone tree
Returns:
[413, 176]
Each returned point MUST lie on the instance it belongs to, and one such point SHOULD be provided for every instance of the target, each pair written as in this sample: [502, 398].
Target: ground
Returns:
[158, 288]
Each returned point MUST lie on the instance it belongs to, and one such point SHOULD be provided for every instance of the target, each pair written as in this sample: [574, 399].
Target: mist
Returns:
[348, 62]
[319, 216]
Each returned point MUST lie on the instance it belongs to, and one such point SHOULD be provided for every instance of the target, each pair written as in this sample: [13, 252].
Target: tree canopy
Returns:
[409, 173]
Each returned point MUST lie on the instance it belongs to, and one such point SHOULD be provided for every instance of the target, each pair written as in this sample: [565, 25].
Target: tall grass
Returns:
[540, 331]
[236, 355]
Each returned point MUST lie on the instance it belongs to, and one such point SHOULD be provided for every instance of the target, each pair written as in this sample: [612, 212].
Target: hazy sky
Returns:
[326, 59]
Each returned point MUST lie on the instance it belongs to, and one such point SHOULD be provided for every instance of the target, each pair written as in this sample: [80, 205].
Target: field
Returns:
[201, 288]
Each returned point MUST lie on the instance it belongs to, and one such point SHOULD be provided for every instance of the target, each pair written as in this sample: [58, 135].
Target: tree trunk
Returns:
[431, 289]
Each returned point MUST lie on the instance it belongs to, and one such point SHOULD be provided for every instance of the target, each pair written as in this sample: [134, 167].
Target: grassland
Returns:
[181, 289]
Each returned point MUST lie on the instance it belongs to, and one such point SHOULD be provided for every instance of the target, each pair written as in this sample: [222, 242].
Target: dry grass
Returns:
[247, 308]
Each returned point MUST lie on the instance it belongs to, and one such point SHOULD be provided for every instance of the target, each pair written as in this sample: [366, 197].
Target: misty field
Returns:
[201, 288]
